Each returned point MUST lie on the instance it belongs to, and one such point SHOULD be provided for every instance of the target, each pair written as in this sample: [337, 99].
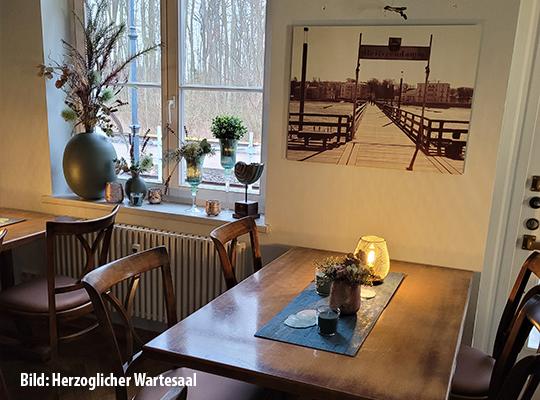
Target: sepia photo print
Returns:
[395, 97]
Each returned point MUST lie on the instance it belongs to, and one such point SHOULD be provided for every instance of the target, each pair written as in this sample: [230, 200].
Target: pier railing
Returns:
[439, 137]
[319, 129]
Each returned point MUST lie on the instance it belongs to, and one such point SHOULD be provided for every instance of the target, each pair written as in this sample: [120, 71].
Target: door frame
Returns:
[521, 122]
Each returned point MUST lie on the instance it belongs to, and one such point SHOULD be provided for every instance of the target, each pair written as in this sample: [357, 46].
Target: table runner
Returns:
[352, 329]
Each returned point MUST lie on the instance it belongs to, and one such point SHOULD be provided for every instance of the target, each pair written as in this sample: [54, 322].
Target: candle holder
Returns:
[376, 253]
[154, 196]
[114, 193]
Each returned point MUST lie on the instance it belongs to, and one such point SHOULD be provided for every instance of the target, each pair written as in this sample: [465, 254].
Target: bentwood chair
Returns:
[130, 268]
[3, 233]
[55, 299]
[474, 368]
[230, 233]
[510, 379]
[3, 388]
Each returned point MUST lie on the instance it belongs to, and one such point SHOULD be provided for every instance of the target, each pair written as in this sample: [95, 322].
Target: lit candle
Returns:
[371, 257]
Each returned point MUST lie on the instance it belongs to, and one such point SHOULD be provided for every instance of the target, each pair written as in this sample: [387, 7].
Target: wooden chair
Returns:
[54, 299]
[3, 388]
[230, 233]
[509, 378]
[99, 281]
[474, 368]
[3, 233]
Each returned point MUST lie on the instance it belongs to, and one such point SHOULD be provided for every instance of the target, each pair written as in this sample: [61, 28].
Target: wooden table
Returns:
[409, 354]
[19, 234]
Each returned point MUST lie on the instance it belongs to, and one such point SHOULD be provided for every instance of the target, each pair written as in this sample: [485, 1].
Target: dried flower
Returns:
[90, 79]
[143, 164]
[190, 151]
[349, 269]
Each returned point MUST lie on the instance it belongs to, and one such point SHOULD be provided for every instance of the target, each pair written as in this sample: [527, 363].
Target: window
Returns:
[217, 68]
[142, 92]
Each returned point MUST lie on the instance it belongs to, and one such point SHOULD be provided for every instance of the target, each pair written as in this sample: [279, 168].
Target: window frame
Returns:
[173, 95]
[174, 89]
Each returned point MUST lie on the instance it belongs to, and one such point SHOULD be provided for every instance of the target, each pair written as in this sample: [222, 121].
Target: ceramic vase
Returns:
[345, 297]
[136, 184]
[88, 164]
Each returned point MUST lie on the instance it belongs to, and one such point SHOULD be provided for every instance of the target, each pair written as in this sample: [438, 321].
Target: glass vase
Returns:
[227, 160]
[194, 178]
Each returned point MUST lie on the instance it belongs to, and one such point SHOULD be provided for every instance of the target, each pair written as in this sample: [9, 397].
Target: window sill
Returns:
[165, 210]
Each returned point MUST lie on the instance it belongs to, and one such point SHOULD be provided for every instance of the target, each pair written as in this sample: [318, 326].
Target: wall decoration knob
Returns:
[532, 224]
[535, 202]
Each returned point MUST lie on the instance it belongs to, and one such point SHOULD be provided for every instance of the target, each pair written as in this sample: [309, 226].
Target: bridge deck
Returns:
[379, 143]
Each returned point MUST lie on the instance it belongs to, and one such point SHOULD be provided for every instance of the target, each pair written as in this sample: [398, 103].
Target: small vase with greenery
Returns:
[228, 129]
[194, 154]
[90, 81]
[135, 167]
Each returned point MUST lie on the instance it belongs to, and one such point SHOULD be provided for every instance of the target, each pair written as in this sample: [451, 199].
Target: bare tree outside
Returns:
[222, 73]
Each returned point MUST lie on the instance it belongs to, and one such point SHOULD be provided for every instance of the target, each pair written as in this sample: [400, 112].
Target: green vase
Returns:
[88, 164]
[194, 175]
[136, 184]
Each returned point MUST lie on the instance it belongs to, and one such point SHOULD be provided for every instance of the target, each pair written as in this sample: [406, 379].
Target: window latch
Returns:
[171, 104]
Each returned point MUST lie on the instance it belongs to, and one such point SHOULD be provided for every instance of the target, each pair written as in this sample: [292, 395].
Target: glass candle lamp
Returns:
[376, 253]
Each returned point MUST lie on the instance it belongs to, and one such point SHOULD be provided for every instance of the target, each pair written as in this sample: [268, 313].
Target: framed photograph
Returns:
[395, 97]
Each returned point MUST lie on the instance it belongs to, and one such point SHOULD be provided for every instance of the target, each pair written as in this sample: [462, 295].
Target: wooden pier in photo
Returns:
[439, 137]
[378, 143]
[322, 131]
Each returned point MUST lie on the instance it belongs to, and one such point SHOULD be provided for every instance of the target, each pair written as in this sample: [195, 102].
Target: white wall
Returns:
[429, 218]
[24, 146]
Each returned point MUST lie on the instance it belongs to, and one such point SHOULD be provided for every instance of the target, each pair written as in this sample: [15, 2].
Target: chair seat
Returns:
[208, 387]
[473, 373]
[31, 296]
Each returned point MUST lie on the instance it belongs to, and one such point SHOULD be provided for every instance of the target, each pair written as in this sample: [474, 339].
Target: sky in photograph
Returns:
[333, 51]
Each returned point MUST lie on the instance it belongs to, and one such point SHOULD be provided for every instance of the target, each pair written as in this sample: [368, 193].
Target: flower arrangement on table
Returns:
[351, 270]
[347, 274]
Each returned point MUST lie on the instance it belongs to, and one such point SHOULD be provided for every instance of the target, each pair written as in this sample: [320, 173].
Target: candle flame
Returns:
[371, 257]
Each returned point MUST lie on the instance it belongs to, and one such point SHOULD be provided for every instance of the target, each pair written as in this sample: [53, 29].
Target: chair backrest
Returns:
[98, 282]
[99, 247]
[506, 373]
[523, 378]
[516, 298]
[3, 233]
[230, 233]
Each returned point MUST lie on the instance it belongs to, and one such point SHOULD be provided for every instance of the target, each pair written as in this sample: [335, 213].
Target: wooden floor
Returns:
[379, 143]
[83, 357]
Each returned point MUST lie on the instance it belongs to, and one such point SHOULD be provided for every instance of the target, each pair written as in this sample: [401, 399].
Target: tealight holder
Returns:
[213, 208]
[136, 199]
[114, 193]
[154, 196]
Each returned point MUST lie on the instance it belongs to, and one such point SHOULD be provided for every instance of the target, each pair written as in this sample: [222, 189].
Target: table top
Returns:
[409, 354]
[33, 228]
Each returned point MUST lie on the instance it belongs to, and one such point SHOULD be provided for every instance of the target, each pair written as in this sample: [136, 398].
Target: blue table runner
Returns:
[352, 329]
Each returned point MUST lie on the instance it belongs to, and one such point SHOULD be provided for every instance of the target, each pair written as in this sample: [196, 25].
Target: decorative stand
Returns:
[247, 174]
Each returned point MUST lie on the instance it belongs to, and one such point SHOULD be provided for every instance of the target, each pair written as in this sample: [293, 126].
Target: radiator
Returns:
[195, 266]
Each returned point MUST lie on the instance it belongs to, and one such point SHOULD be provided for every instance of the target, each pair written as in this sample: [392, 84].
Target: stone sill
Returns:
[166, 210]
